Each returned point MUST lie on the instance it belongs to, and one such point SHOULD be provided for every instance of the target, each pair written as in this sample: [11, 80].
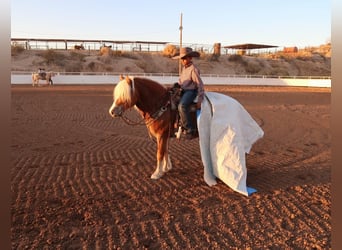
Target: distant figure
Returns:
[42, 73]
[104, 45]
[79, 47]
[106, 50]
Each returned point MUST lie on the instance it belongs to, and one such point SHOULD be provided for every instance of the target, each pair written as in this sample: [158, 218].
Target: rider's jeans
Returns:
[187, 98]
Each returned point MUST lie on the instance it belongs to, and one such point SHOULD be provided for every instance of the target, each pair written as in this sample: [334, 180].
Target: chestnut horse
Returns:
[154, 102]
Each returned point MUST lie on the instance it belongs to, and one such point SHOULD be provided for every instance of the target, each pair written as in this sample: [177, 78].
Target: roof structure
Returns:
[68, 43]
[80, 40]
[247, 46]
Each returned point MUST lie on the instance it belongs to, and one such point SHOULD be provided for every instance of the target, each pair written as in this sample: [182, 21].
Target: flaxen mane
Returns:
[123, 91]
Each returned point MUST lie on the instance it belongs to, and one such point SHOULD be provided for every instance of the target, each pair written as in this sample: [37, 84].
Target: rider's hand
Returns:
[176, 85]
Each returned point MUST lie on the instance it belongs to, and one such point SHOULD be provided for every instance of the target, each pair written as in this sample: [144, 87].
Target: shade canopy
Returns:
[246, 46]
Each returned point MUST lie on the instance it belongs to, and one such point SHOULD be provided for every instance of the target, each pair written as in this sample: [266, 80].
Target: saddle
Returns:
[42, 75]
[176, 94]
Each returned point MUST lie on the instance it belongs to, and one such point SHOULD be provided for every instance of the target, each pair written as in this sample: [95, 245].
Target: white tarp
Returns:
[227, 132]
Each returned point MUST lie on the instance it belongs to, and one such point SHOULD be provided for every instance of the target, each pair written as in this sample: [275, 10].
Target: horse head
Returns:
[123, 97]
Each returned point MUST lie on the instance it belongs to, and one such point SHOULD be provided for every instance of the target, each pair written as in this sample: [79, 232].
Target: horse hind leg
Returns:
[163, 166]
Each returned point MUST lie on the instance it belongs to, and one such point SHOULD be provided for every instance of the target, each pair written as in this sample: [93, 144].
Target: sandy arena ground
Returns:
[81, 180]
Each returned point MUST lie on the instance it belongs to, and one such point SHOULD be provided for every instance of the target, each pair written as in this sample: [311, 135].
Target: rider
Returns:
[192, 86]
[41, 72]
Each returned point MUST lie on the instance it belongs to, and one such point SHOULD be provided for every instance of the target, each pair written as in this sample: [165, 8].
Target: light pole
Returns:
[180, 42]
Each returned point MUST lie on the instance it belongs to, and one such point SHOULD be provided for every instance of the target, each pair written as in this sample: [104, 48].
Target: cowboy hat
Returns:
[186, 51]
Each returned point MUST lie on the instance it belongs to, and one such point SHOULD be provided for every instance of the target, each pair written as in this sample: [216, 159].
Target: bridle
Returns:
[154, 117]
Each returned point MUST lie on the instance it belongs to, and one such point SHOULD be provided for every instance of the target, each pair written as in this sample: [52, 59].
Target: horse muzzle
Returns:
[116, 111]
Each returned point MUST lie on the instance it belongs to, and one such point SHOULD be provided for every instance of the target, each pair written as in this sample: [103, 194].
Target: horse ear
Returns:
[121, 77]
[128, 80]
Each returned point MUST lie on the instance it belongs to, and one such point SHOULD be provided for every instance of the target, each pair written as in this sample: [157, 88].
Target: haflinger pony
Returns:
[224, 139]
[153, 102]
[48, 77]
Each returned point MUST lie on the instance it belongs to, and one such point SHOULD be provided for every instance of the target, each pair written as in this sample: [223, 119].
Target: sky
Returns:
[282, 23]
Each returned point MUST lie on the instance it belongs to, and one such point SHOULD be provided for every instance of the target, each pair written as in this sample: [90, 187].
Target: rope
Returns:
[155, 116]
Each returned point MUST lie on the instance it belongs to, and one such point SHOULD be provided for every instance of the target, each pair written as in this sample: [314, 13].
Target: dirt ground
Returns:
[81, 180]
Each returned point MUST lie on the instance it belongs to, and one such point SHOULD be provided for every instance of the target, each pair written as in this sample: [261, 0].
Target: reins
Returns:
[155, 116]
[131, 122]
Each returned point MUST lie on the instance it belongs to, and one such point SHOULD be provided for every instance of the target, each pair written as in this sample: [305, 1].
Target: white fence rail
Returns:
[167, 78]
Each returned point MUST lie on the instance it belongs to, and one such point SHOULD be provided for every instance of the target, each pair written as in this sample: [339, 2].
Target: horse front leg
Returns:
[167, 165]
[163, 158]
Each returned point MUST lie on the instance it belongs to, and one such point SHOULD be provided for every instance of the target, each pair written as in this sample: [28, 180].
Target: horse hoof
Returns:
[156, 176]
[167, 169]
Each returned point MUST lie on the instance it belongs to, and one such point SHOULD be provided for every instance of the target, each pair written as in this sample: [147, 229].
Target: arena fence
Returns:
[169, 78]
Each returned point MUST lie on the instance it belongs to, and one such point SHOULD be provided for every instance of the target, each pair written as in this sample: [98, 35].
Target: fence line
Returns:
[169, 78]
[171, 75]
